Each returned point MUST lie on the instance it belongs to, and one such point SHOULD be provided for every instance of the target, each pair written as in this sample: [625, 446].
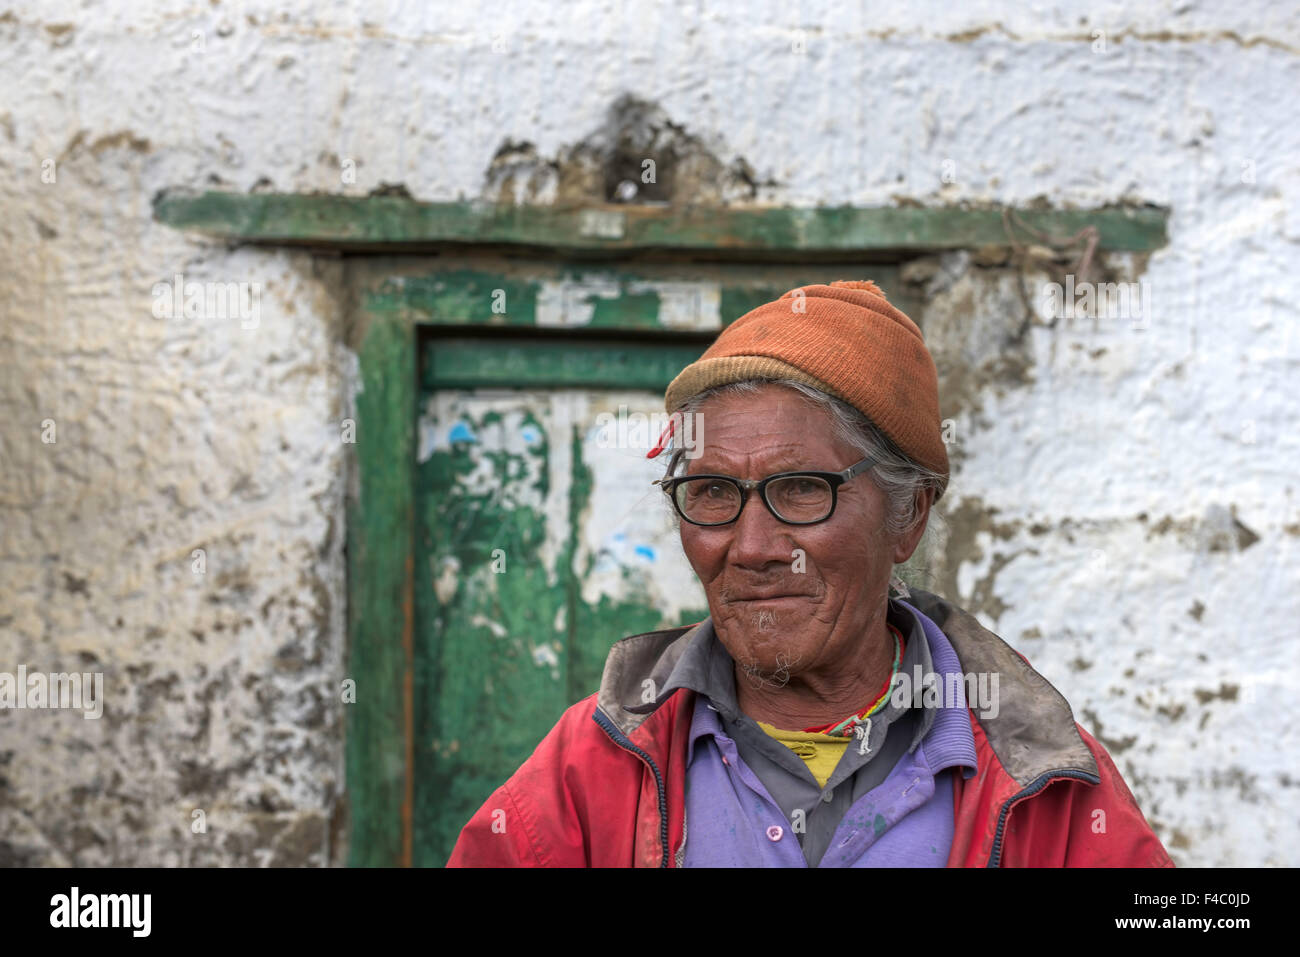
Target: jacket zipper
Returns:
[1040, 782]
[621, 740]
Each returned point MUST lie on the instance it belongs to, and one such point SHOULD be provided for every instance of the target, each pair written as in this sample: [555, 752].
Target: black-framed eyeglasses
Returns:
[796, 498]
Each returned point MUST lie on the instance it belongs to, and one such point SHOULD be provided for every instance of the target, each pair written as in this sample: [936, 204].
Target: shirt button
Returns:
[828, 797]
[725, 761]
[774, 832]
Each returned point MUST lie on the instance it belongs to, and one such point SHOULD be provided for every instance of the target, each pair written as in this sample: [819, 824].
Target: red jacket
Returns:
[605, 788]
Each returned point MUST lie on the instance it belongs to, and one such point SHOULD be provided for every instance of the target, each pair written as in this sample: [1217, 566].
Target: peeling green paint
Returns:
[457, 295]
[502, 650]
[385, 222]
[594, 297]
[669, 298]
[551, 363]
[480, 694]
[379, 553]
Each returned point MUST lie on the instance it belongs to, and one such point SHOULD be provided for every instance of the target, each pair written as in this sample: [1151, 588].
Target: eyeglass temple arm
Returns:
[855, 470]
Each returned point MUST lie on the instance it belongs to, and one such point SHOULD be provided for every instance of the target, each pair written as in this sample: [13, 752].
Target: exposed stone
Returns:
[637, 155]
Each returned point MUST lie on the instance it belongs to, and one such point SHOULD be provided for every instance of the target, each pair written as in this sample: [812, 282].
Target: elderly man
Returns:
[818, 717]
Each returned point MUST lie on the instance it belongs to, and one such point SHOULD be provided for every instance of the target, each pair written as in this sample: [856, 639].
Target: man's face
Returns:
[777, 615]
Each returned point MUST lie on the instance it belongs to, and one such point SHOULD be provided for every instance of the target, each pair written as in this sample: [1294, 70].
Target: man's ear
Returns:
[907, 542]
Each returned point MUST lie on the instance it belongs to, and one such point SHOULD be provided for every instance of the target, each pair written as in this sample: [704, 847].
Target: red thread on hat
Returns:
[663, 439]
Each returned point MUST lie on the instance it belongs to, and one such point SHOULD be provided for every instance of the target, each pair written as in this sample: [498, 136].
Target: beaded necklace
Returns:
[844, 729]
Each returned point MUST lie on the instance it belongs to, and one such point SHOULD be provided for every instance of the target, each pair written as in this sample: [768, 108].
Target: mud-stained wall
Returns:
[1123, 507]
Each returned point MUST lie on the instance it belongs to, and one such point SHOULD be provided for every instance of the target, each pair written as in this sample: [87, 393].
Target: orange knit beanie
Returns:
[844, 339]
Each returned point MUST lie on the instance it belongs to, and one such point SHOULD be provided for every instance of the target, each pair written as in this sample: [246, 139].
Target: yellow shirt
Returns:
[821, 752]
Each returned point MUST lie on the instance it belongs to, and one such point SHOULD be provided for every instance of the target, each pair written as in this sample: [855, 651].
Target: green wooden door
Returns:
[539, 542]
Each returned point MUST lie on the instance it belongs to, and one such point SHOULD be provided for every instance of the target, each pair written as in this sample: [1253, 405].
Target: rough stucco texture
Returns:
[1124, 508]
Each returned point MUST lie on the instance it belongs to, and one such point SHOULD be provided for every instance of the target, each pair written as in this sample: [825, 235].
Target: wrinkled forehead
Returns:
[778, 429]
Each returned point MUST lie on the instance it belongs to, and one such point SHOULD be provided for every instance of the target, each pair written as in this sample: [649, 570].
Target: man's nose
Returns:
[758, 537]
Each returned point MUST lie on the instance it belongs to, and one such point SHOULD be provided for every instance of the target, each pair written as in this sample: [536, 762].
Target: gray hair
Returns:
[895, 473]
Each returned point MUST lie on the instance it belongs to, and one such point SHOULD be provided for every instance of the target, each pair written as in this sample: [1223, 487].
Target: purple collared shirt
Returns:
[905, 821]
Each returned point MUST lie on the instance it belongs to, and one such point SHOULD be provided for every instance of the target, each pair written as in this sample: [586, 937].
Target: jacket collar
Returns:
[636, 669]
[1034, 731]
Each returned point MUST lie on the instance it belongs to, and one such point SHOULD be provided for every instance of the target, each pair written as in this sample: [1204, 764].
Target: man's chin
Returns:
[766, 662]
